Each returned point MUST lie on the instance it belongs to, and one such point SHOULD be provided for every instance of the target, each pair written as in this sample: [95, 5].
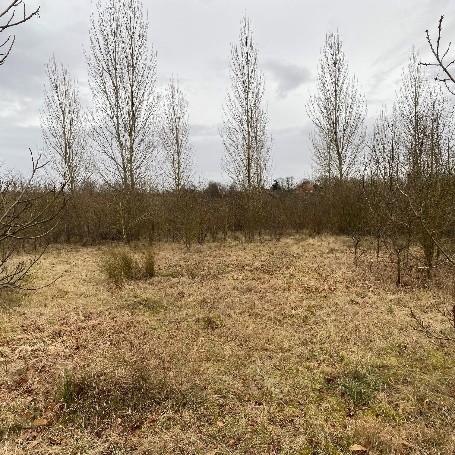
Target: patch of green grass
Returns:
[359, 387]
[102, 398]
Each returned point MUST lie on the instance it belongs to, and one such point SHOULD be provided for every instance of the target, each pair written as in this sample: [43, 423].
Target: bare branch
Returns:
[8, 20]
[26, 215]
[439, 56]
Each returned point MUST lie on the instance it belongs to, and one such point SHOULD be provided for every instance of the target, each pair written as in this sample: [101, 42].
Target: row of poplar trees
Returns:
[134, 138]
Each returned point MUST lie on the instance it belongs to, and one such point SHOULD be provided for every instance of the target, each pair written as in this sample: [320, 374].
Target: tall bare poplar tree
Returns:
[337, 111]
[174, 137]
[62, 124]
[122, 75]
[413, 102]
[385, 157]
[426, 124]
[244, 131]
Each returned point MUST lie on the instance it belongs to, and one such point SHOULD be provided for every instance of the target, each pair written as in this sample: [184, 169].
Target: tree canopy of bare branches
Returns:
[244, 131]
[12, 15]
[411, 166]
[426, 135]
[122, 76]
[174, 137]
[338, 112]
[427, 145]
[62, 125]
[384, 157]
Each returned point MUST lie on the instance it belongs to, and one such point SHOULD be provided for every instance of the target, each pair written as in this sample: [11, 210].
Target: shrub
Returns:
[120, 265]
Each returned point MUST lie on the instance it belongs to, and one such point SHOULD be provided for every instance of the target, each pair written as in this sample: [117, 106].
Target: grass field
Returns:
[263, 348]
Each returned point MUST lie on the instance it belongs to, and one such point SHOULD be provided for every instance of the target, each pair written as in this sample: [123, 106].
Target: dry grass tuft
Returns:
[120, 265]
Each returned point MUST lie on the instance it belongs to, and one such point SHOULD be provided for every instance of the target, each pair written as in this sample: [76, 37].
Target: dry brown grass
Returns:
[263, 348]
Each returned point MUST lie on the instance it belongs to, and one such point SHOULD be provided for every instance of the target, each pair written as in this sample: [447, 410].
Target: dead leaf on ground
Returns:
[40, 422]
[357, 448]
[408, 444]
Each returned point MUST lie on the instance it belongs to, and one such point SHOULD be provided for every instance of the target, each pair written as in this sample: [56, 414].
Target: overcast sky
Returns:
[192, 39]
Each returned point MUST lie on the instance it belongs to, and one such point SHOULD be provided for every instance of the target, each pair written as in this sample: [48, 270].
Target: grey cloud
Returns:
[219, 66]
[287, 75]
[208, 151]
[392, 59]
[198, 130]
